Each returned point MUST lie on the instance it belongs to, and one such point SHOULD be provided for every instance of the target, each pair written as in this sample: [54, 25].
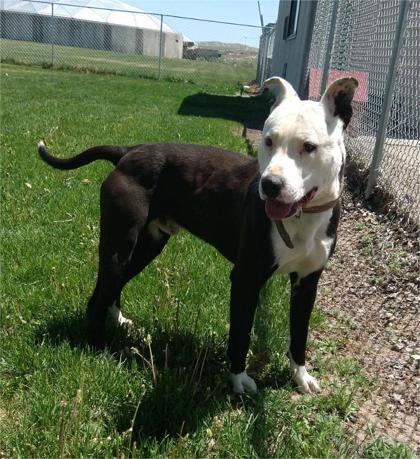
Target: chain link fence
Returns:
[378, 43]
[128, 42]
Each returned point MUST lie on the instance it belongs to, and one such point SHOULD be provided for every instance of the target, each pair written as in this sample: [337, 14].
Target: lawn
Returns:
[169, 396]
[93, 60]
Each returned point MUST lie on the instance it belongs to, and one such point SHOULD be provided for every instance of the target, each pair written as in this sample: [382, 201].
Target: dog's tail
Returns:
[107, 152]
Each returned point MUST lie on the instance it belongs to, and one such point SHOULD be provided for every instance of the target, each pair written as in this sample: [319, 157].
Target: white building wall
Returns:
[291, 53]
[88, 34]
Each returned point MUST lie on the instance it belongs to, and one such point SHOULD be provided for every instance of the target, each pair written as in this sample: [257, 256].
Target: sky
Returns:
[238, 11]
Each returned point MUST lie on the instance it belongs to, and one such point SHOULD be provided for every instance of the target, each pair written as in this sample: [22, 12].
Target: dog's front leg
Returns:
[303, 293]
[243, 302]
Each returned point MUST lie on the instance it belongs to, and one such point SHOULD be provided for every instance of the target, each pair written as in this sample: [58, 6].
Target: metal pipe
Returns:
[52, 34]
[330, 44]
[261, 16]
[160, 46]
[263, 74]
[388, 96]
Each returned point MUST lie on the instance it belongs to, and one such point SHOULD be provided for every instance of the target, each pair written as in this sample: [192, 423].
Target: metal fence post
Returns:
[160, 46]
[264, 75]
[328, 53]
[388, 96]
[260, 57]
[52, 34]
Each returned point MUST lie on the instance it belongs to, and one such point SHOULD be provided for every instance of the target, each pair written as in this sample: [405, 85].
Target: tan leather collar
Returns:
[327, 205]
[321, 208]
[308, 210]
[283, 233]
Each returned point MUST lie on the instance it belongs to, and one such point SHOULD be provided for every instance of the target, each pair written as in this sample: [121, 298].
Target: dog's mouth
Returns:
[278, 210]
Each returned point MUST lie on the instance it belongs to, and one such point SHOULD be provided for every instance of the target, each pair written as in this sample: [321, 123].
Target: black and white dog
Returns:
[277, 214]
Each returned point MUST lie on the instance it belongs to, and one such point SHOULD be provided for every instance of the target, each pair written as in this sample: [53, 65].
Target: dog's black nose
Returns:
[272, 185]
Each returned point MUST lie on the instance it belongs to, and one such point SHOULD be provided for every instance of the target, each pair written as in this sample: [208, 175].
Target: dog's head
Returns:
[302, 154]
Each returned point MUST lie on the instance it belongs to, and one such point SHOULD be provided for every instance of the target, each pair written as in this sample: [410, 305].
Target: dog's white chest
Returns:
[311, 245]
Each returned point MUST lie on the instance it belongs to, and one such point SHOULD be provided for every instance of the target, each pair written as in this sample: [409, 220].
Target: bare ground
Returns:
[372, 286]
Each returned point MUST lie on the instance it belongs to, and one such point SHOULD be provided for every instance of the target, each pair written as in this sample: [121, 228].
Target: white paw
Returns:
[118, 318]
[124, 322]
[306, 384]
[242, 383]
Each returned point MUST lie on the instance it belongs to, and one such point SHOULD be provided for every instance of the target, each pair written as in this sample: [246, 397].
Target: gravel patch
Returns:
[372, 283]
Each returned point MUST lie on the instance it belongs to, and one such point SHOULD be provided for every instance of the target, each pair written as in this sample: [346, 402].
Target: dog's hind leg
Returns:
[110, 282]
[106, 298]
[124, 211]
[146, 250]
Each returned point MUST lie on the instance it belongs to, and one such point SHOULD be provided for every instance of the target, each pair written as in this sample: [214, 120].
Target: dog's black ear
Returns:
[282, 88]
[338, 96]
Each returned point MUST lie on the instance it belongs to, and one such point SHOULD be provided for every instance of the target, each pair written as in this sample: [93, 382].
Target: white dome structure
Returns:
[98, 24]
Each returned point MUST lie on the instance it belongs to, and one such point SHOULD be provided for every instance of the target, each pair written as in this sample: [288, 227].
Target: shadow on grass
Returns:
[188, 379]
[250, 111]
[70, 328]
[190, 385]
[187, 375]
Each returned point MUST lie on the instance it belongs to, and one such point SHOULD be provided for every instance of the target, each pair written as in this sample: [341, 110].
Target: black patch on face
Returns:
[343, 107]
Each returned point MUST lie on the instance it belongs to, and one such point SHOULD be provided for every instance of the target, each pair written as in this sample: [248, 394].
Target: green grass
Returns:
[60, 399]
[97, 61]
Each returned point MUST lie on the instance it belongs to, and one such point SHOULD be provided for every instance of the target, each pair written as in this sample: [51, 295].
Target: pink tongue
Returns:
[277, 210]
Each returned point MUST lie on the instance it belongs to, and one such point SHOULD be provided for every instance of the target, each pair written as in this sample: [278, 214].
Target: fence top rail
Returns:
[145, 12]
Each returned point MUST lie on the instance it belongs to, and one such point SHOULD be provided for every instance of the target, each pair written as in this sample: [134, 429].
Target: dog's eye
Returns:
[309, 147]
[268, 141]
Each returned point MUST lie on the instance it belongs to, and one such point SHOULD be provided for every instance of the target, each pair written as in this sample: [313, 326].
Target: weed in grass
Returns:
[367, 243]
[359, 226]
[396, 260]
[386, 447]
